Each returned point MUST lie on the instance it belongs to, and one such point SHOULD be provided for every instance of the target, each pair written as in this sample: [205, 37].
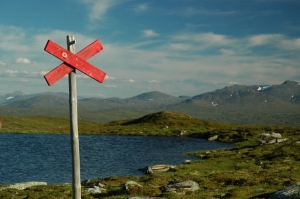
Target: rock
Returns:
[273, 141]
[182, 132]
[282, 140]
[276, 135]
[145, 197]
[25, 185]
[187, 162]
[182, 187]
[270, 136]
[287, 193]
[95, 189]
[131, 187]
[157, 168]
[213, 138]
[273, 138]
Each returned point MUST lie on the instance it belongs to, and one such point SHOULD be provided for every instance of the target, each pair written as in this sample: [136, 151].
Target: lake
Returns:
[47, 157]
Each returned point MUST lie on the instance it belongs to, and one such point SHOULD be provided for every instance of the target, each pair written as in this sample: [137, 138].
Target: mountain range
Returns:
[238, 104]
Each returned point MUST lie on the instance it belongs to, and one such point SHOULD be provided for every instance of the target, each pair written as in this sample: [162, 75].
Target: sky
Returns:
[178, 47]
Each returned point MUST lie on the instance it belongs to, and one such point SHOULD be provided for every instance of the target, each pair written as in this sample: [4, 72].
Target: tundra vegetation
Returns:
[249, 170]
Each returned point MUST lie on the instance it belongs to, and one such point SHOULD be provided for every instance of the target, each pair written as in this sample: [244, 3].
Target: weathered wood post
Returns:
[76, 185]
[71, 62]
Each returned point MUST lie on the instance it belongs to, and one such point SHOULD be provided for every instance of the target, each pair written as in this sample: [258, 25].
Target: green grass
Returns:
[247, 171]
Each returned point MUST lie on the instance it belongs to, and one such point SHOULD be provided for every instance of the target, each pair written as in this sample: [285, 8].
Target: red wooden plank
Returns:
[75, 61]
[64, 69]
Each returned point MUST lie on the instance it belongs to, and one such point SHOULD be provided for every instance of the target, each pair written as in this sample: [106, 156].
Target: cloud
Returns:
[10, 73]
[12, 39]
[264, 39]
[180, 46]
[150, 33]
[98, 8]
[154, 81]
[297, 42]
[81, 76]
[227, 51]
[274, 40]
[109, 78]
[206, 39]
[15, 73]
[208, 43]
[232, 83]
[141, 7]
[131, 81]
[127, 80]
[190, 11]
[110, 86]
[208, 56]
[2, 63]
[21, 60]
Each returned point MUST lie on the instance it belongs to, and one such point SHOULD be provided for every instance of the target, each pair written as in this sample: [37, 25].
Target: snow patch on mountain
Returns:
[10, 97]
[263, 88]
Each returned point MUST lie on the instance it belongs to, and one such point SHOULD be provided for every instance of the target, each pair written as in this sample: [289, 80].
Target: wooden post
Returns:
[76, 185]
[70, 62]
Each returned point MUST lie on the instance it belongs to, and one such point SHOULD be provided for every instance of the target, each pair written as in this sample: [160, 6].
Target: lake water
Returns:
[47, 157]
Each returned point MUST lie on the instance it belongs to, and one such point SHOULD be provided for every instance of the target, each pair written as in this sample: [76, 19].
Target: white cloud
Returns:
[98, 8]
[209, 39]
[297, 42]
[131, 80]
[10, 73]
[33, 74]
[208, 56]
[44, 72]
[21, 60]
[180, 46]
[227, 52]
[275, 40]
[150, 33]
[189, 11]
[110, 86]
[232, 83]
[109, 77]
[264, 39]
[81, 76]
[2, 63]
[154, 81]
[15, 73]
[127, 81]
[141, 7]
[12, 39]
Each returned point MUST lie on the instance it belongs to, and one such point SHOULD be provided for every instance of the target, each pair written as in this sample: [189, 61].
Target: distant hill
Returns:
[41, 101]
[18, 95]
[240, 104]
[289, 91]
[163, 118]
[155, 97]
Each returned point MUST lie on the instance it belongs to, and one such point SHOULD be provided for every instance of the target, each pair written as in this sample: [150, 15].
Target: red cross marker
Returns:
[72, 61]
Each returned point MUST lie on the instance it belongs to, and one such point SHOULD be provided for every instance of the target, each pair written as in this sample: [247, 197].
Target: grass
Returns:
[249, 170]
